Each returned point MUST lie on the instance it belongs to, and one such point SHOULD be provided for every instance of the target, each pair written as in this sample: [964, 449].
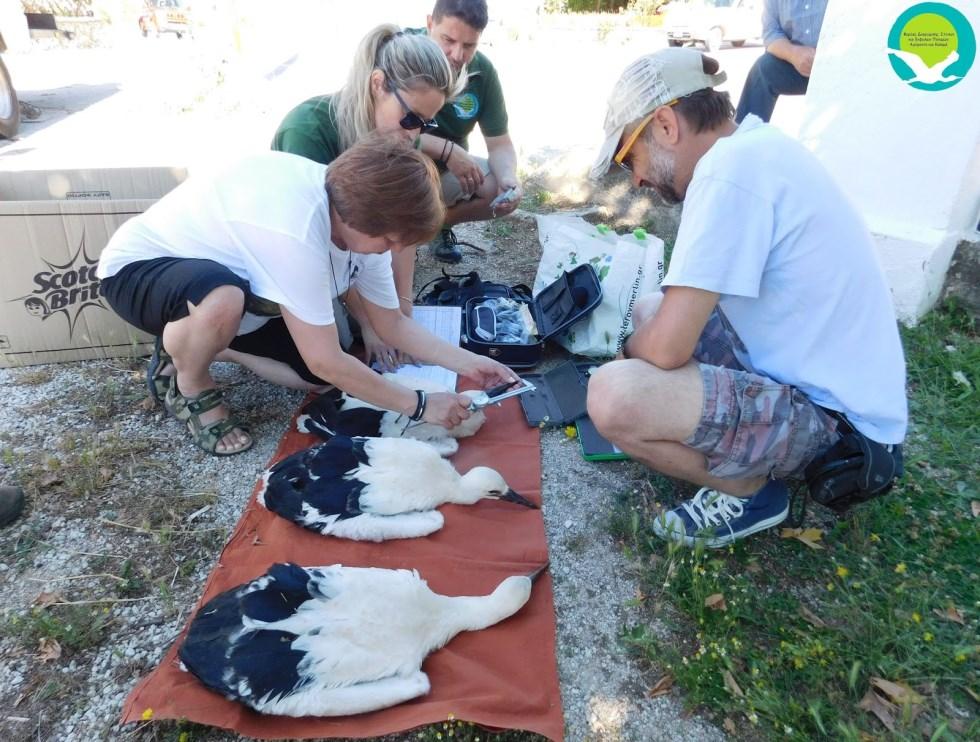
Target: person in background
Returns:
[243, 266]
[470, 184]
[790, 29]
[776, 325]
[397, 84]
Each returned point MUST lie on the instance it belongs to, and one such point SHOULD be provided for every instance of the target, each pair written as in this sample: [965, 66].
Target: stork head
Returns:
[483, 483]
[513, 593]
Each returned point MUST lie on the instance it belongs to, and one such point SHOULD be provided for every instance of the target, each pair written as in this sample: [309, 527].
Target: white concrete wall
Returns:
[909, 158]
[13, 25]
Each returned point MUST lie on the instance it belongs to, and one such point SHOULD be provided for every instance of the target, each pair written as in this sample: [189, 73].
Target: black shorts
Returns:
[149, 294]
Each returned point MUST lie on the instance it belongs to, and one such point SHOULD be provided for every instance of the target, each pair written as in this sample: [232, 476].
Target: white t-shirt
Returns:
[765, 226]
[266, 219]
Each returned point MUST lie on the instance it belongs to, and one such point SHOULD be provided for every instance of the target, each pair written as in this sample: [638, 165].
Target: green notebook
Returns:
[594, 446]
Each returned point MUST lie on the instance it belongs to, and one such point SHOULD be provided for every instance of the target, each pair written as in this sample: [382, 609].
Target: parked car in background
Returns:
[713, 22]
[166, 16]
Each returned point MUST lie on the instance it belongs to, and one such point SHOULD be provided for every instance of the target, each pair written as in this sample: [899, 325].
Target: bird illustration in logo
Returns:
[925, 74]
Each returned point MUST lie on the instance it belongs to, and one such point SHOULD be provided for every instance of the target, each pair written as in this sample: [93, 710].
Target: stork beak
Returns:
[511, 496]
[533, 576]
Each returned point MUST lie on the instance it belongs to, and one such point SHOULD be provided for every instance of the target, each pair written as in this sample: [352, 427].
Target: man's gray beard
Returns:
[662, 169]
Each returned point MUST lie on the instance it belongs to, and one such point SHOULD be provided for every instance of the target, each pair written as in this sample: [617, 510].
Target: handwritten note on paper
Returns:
[444, 323]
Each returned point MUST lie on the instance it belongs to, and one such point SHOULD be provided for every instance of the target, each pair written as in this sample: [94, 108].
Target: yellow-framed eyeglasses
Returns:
[631, 140]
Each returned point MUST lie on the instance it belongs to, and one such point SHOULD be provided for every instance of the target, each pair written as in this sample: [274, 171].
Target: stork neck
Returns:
[474, 613]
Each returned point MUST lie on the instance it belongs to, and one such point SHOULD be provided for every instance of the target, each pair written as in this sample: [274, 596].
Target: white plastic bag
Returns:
[629, 266]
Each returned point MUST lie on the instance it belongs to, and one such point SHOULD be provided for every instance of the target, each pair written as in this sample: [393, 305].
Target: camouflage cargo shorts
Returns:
[751, 425]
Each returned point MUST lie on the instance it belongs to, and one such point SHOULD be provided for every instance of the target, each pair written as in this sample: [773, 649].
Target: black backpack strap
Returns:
[447, 289]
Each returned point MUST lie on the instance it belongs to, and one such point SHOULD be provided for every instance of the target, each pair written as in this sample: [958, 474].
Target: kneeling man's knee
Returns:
[609, 397]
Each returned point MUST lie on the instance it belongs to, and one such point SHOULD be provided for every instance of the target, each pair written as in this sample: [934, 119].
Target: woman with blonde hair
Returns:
[397, 84]
[243, 265]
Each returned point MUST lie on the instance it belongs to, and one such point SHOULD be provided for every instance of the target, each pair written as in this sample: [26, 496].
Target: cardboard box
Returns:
[53, 226]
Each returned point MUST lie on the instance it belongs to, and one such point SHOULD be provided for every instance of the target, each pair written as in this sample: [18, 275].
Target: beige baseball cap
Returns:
[652, 80]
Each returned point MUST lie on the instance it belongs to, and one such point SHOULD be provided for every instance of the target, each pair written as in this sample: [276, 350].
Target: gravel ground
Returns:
[112, 483]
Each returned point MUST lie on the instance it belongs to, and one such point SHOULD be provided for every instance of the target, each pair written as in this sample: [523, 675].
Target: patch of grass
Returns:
[87, 466]
[167, 600]
[32, 377]
[112, 398]
[499, 228]
[74, 627]
[577, 544]
[131, 584]
[20, 548]
[536, 198]
[893, 595]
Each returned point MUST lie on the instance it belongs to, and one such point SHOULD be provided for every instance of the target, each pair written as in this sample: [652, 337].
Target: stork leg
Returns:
[315, 700]
[370, 527]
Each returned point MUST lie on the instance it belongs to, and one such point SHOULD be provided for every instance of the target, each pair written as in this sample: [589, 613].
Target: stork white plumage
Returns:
[325, 418]
[374, 489]
[924, 73]
[329, 641]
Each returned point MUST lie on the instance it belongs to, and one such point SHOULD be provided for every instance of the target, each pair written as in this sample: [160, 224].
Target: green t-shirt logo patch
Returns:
[466, 106]
[932, 46]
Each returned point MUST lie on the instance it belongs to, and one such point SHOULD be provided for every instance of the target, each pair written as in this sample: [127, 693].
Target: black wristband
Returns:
[420, 407]
[442, 156]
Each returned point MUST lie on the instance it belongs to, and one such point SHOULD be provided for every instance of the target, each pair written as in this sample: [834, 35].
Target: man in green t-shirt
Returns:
[470, 184]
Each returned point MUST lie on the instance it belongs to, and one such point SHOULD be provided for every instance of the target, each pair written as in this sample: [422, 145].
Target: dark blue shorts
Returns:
[149, 294]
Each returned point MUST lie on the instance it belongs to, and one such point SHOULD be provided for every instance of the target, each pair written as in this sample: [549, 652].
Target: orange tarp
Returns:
[503, 677]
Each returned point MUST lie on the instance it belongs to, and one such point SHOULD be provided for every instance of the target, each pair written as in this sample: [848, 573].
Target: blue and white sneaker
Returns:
[716, 519]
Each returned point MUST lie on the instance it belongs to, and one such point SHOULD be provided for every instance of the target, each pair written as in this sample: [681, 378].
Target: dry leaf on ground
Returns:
[49, 480]
[809, 536]
[897, 692]
[952, 613]
[729, 726]
[43, 600]
[661, 687]
[731, 685]
[812, 618]
[875, 704]
[48, 650]
[716, 602]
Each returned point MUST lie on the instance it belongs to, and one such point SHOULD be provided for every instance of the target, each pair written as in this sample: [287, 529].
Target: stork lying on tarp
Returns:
[333, 414]
[373, 489]
[331, 641]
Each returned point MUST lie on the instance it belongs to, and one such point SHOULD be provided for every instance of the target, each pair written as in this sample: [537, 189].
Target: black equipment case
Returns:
[556, 308]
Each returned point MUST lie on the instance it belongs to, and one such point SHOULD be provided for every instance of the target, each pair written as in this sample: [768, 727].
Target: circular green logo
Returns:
[932, 46]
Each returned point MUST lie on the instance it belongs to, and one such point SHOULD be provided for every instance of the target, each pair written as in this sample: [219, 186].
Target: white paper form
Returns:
[445, 323]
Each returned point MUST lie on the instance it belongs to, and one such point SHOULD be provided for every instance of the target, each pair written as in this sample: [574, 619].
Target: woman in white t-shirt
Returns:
[243, 266]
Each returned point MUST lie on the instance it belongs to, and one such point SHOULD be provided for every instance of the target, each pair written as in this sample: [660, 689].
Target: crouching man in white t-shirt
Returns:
[775, 313]
[243, 266]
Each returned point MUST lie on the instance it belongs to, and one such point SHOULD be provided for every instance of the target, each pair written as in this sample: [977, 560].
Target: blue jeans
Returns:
[769, 78]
